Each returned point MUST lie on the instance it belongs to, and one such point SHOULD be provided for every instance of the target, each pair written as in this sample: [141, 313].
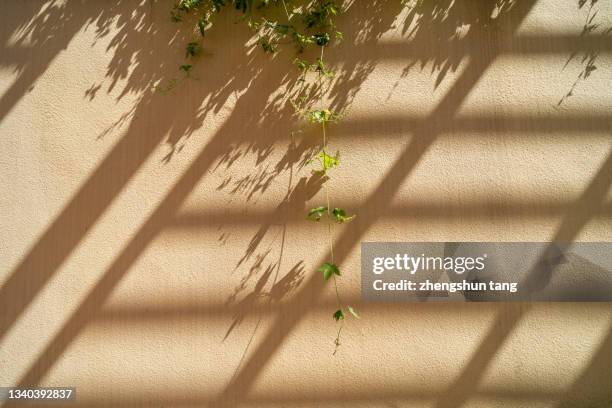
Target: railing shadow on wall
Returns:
[137, 57]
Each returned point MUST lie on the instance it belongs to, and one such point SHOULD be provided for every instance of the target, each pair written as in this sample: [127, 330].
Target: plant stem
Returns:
[330, 235]
[337, 341]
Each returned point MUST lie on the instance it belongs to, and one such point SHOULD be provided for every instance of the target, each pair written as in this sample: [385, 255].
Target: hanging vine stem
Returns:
[329, 269]
[309, 23]
[331, 239]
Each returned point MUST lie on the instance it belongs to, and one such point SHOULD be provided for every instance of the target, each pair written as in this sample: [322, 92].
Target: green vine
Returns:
[305, 24]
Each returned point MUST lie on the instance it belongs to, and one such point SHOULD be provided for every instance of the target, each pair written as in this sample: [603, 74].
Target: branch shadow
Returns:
[588, 56]
[156, 119]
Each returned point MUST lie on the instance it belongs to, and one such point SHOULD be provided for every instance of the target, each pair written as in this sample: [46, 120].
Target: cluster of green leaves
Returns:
[322, 14]
[303, 23]
[318, 66]
[337, 214]
[322, 116]
[272, 33]
[307, 23]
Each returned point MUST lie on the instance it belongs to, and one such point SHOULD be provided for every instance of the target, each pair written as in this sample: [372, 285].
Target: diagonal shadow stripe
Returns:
[94, 300]
[159, 220]
[68, 229]
[577, 217]
[579, 214]
[593, 388]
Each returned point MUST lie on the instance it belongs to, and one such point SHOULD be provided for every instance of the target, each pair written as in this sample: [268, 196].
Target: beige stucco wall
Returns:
[154, 248]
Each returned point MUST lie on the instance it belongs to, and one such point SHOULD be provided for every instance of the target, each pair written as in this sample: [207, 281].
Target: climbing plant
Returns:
[304, 25]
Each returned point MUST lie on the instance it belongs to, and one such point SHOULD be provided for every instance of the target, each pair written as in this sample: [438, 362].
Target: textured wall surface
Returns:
[154, 248]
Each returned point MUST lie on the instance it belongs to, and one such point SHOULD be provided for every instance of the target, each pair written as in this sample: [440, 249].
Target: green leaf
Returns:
[193, 49]
[328, 270]
[353, 312]
[217, 5]
[254, 25]
[186, 68]
[340, 216]
[338, 315]
[322, 69]
[322, 39]
[267, 46]
[315, 214]
[321, 116]
[328, 161]
[187, 5]
[302, 65]
[301, 40]
[318, 116]
[202, 23]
